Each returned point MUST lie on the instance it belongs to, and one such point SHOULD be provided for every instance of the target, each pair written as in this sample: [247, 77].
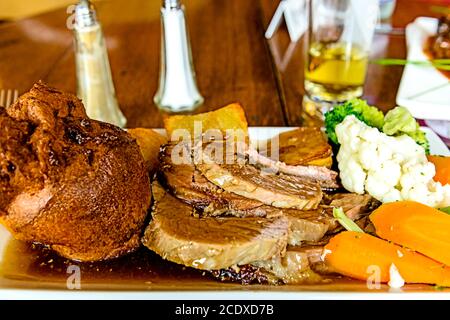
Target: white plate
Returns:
[25, 285]
[425, 91]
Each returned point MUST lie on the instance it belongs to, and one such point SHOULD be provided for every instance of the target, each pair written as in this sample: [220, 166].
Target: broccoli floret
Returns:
[398, 121]
[357, 107]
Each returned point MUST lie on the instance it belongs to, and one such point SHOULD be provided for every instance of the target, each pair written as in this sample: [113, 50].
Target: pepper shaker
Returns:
[94, 81]
[177, 90]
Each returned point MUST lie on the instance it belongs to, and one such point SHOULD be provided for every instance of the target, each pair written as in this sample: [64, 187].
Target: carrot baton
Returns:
[415, 226]
[355, 254]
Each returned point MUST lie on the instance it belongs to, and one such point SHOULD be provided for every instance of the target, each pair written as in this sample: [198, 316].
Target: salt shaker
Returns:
[177, 90]
[94, 81]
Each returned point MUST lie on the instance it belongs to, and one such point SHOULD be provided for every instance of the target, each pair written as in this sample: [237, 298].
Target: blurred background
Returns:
[233, 60]
[17, 9]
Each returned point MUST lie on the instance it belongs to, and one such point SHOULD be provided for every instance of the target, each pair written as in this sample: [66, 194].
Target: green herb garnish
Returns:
[440, 9]
[345, 221]
[441, 64]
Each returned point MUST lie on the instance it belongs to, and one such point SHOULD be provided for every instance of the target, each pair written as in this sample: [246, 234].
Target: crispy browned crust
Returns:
[77, 185]
[246, 275]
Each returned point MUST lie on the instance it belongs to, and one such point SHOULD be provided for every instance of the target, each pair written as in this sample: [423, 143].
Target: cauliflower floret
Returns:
[370, 135]
[392, 196]
[352, 175]
[388, 168]
[377, 187]
[419, 193]
[446, 198]
[368, 155]
[389, 171]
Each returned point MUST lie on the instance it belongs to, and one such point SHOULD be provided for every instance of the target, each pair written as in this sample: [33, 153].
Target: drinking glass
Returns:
[337, 48]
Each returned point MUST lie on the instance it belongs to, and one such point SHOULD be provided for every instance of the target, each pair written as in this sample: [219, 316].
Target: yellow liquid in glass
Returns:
[335, 71]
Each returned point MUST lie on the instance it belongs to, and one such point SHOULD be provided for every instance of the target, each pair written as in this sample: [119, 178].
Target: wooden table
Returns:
[233, 60]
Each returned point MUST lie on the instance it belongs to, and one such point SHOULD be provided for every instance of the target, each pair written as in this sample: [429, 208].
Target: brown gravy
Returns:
[26, 266]
[32, 265]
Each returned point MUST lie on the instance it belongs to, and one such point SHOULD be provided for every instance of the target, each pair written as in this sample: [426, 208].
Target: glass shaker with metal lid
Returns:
[95, 86]
[177, 90]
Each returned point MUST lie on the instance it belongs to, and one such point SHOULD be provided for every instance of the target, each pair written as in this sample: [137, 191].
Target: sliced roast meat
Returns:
[293, 267]
[299, 265]
[279, 190]
[324, 176]
[307, 225]
[357, 207]
[315, 253]
[354, 205]
[225, 167]
[211, 243]
[190, 186]
[231, 149]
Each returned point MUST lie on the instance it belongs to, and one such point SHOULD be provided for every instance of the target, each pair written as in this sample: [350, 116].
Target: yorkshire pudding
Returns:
[74, 184]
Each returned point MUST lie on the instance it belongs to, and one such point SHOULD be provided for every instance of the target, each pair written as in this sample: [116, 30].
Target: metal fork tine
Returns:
[2, 98]
[8, 98]
[16, 95]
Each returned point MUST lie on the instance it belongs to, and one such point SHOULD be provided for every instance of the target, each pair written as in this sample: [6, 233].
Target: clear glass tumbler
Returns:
[338, 41]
